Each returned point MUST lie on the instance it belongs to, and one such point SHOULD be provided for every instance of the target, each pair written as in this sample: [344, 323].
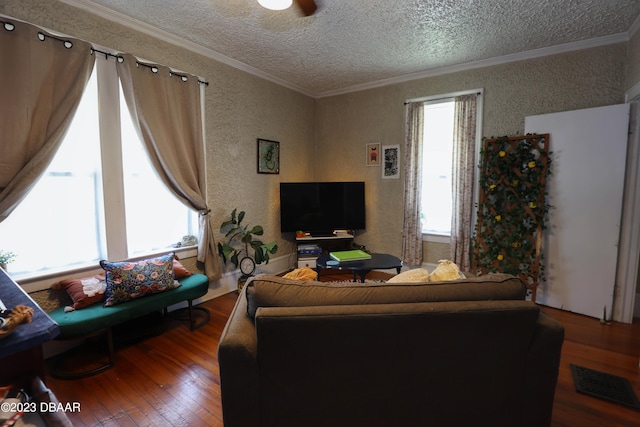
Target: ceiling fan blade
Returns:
[308, 7]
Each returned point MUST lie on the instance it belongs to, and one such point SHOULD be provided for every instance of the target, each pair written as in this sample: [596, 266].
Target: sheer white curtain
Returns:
[463, 168]
[42, 79]
[412, 227]
[166, 110]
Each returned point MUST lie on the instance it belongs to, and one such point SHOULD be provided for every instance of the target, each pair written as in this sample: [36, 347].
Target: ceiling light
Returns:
[275, 4]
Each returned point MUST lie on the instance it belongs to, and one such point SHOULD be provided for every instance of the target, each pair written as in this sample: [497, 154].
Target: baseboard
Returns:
[229, 280]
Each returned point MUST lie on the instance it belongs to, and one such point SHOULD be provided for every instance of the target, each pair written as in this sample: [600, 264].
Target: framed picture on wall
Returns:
[268, 156]
[391, 161]
[373, 154]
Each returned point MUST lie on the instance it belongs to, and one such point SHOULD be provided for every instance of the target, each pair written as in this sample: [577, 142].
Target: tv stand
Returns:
[322, 234]
[332, 242]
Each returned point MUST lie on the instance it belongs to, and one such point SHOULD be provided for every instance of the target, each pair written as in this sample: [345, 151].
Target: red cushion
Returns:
[179, 270]
[84, 291]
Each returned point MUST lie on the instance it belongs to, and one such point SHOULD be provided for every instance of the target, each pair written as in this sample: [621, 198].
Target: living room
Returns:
[323, 138]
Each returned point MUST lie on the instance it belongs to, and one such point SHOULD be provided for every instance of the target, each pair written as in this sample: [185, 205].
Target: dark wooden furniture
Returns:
[21, 355]
[22, 349]
[338, 242]
[362, 267]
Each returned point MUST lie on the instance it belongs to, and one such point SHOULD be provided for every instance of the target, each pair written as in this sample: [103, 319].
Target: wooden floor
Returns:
[172, 379]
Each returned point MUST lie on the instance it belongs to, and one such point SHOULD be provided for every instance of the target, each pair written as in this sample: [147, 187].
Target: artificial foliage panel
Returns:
[512, 207]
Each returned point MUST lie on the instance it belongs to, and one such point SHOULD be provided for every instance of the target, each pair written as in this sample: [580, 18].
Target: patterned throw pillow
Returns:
[127, 280]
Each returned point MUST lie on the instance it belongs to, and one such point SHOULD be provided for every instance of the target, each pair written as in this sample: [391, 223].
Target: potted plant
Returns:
[5, 258]
[239, 239]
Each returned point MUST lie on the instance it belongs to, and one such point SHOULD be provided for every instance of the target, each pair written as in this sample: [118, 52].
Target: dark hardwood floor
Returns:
[172, 379]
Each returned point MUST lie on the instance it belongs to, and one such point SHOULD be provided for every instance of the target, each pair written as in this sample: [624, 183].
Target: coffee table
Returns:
[361, 267]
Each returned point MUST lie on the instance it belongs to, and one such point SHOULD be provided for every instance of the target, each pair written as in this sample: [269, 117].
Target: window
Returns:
[67, 220]
[437, 167]
[154, 216]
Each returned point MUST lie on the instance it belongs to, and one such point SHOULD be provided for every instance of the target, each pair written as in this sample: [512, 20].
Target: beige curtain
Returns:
[165, 108]
[412, 226]
[41, 84]
[464, 164]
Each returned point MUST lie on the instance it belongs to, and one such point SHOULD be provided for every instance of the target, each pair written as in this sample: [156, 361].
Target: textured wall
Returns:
[433, 252]
[633, 68]
[346, 123]
[239, 109]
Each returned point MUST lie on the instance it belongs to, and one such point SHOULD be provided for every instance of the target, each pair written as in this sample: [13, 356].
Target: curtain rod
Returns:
[9, 26]
[183, 77]
[42, 37]
[118, 58]
[437, 99]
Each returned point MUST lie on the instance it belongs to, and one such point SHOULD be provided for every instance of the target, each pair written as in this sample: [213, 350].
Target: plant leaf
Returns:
[271, 247]
[234, 257]
[257, 230]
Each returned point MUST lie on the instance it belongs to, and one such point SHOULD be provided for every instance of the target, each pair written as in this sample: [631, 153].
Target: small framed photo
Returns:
[373, 154]
[268, 156]
[391, 159]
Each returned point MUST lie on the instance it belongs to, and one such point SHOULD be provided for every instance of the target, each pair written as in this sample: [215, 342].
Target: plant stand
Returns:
[512, 207]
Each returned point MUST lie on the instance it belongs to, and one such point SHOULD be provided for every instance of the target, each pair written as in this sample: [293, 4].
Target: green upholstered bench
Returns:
[97, 320]
[96, 317]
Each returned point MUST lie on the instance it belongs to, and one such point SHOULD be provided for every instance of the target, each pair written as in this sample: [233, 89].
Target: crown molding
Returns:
[129, 22]
[633, 94]
[634, 27]
[160, 34]
[521, 56]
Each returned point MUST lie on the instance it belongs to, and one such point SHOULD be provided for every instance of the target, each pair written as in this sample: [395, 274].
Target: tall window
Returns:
[154, 216]
[437, 167]
[67, 219]
[440, 183]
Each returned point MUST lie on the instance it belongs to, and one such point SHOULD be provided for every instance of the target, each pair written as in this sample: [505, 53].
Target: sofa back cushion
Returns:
[429, 363]
[274, 291]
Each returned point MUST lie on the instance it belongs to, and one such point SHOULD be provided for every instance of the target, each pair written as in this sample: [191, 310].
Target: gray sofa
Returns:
[460, 353]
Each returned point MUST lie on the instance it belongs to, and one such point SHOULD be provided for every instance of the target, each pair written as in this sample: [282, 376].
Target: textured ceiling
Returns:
[351, 43]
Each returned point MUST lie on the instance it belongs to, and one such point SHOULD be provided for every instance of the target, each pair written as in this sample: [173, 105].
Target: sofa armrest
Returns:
[543, 363]
[238, 367]
[43, 395]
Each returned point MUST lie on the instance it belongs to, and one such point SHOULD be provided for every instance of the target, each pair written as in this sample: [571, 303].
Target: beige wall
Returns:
[325, 139]
[239, 109]
[346, 123]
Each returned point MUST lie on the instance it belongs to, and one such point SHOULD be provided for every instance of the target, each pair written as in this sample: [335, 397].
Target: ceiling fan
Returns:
[307, 7]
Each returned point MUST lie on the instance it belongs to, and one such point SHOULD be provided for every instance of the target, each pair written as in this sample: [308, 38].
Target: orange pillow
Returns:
[302, 274]
[85, 291]
[179, 270]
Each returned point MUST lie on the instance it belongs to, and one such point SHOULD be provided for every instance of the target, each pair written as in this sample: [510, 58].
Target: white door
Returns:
[585, 191]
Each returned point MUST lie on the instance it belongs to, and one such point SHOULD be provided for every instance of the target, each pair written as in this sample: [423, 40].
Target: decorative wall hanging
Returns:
[268, 156]
[513, 207]
[391, 159]
[373, 154]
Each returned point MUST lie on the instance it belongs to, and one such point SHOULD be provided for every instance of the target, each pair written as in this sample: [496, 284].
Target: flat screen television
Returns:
[320, 208]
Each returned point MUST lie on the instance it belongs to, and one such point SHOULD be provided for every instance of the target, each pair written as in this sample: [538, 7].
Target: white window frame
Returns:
[113, 222]
[443, 238]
